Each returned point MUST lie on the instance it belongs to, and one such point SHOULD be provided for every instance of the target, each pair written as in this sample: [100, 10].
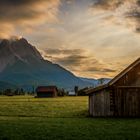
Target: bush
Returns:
[62, 92]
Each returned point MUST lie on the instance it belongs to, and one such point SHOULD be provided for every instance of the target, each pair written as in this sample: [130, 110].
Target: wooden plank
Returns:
[127, 102]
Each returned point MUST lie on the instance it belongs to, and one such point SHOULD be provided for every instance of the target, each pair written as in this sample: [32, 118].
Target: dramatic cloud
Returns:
[126, 12]
[71, 60]
[27, 13]
[66, 57]
[108, 4]
[92, 38]
[59, 51]
[27, 9]
[79, 61]
[100, 69]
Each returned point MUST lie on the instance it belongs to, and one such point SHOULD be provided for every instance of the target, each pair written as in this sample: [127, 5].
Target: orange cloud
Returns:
[79, 61]
[27, 13]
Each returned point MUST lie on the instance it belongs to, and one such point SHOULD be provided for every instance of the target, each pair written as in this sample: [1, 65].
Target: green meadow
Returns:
[62, 118]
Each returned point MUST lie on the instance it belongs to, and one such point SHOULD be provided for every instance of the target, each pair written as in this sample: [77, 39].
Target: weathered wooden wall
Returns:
[126, 104]
[122, 98]
[99, 104]
[127, 101]
[131, 78]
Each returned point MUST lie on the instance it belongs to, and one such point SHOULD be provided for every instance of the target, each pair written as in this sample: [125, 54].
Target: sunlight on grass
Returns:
[49, 107]
[65, 118]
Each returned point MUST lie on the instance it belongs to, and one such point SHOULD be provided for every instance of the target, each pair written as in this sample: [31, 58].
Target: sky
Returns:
[91, 38]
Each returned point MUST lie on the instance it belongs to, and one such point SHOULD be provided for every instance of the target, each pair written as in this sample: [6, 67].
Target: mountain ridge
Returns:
[21, 63]
[96, 82]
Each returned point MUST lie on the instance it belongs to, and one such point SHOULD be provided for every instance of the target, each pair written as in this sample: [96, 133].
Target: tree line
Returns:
[60, 92]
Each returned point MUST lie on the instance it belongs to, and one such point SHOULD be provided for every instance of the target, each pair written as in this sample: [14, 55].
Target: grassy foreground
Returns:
[66, 118]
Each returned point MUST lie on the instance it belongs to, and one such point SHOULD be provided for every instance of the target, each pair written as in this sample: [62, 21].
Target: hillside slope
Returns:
[21, 64]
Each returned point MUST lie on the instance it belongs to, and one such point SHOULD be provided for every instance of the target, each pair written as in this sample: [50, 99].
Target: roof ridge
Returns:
[129, 67]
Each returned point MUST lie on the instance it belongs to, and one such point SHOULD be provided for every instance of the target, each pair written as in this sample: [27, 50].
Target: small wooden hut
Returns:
[120, 97]
[46, 91]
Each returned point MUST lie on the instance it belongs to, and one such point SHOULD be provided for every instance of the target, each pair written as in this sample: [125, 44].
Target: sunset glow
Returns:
[91, 38]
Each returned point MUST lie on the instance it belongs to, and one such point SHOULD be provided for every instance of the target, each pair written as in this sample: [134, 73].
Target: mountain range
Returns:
[96, 82]
[21, 65]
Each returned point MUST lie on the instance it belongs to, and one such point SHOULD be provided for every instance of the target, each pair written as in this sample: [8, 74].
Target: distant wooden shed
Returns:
[120, 97]
[46, 91]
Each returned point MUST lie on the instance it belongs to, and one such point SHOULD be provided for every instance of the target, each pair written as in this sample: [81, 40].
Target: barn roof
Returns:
[92, 90]
[115, 79]
[131, 66]
[46, 88]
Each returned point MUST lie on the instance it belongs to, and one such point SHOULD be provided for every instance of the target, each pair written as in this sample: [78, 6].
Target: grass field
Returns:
[65, 118]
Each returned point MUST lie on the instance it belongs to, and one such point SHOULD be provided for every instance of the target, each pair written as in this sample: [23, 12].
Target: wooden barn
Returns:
[46, 91]
[120, 97]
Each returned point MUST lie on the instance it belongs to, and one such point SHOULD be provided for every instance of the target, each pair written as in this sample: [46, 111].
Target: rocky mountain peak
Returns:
[15, 49]
[22, 64]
